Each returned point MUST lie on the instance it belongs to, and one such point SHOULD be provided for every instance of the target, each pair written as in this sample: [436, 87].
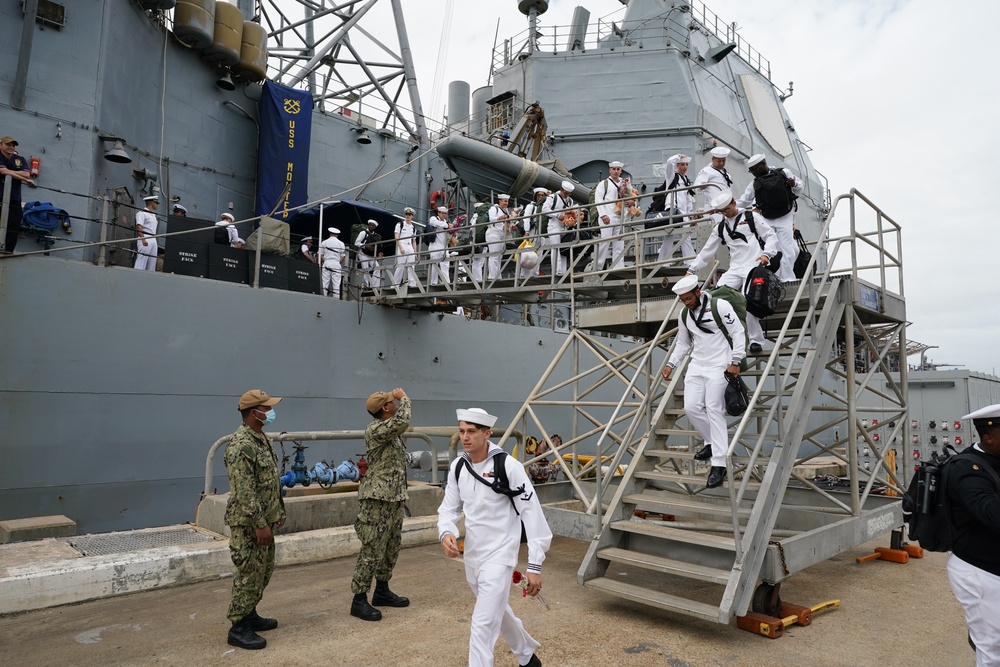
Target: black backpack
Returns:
[773, 196]
[221, 235]
[803, 258]
[927, 505]
[774, 262]
[500, 483]
[430, 234]
[763, 290]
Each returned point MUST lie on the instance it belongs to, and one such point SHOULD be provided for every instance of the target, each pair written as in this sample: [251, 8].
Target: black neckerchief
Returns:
[733, 234]
[725, 175]
[701, 315]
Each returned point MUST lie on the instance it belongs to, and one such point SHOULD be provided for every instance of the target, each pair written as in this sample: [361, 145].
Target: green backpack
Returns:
[481, 220]
[739, 304]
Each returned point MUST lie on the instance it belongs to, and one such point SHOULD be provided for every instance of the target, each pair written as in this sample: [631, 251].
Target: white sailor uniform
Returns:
[744, 251]
[440, 268]
[704, 379]
[607, 191]
[782, 227]
[406, 254]
[495, 236]
[331, 255]
[677, 202]
[492, 541]
[553, 207]
[146, 259]
[714, 181]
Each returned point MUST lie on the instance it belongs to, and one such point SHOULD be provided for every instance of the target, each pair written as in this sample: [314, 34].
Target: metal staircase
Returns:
[715, 554]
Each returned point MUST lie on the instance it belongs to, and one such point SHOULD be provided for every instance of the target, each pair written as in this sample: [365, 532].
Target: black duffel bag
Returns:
[763, 290]
[803, 258]
[737, 396]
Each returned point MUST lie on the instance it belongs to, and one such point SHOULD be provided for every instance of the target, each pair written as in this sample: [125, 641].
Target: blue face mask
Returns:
[269, 418]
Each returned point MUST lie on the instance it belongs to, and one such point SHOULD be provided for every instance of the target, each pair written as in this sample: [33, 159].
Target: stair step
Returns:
[676, 431]
[660, 502]
[655, 598]
[666, 565]
[675, 534]
[679, 478]
[687, 455]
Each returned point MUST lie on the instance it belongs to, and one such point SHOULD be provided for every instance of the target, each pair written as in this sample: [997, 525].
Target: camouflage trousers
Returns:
[254, 565]
[380, 528]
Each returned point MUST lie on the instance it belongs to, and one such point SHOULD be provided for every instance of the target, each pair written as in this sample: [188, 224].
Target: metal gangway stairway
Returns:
[715, 554]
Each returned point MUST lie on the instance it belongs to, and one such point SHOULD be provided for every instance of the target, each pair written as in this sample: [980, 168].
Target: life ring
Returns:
[439, 198]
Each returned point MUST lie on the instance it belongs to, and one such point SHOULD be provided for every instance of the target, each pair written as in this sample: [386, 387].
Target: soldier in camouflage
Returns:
[254, 511]
[380, 504]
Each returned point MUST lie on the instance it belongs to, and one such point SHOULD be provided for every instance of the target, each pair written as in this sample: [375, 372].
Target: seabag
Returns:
[926, 505]
[773, 196]
[737, 395]
[763, 291]
[803, 258]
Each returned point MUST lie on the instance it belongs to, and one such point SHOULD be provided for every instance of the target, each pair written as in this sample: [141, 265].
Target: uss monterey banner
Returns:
[283, 157]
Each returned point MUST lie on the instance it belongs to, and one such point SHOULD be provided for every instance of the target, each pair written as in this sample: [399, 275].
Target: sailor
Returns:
[492, 538]
[775, 194]
[609, 216]
[145, 225]
[225, 224]
[533, 225]
[381, 496]
[254, 511]
[367, 245]
[406, 250]
[714, 336]
[974, 564]
[714, 178]
[306, 251]
[332, 255]
[680, 203]
[496, 233]
[745, 253]
[180, 211]
[15, 166]
[437, 250]
[554, 208]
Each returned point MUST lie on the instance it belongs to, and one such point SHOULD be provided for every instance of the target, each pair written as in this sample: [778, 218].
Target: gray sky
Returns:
[896, 98]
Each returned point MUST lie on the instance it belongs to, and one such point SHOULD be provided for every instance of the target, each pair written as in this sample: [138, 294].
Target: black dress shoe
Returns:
[258, 623]
[534, 662]
[703, 454]
[383, 597]
[756, 348]
[242, 635]
[363, 610]
[715, 477]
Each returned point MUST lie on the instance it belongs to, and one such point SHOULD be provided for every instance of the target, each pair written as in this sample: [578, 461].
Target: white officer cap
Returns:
[333, 230]
[538, 190]
[476, 416]
[988, 416]
[616, 163]
[227, 215]
[373, 222]
[567, 186]
[755, 160]
[722, 199]
[503, 196]
[408, 210]
[720, 151]
[180, 207]
[151, 198]
[442, 209]
[686, 284]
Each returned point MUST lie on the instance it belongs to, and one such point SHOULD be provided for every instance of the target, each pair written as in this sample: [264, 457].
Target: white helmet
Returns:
[529, 260]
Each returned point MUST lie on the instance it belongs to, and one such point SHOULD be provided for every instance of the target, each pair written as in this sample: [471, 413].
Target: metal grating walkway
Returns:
[113, 543]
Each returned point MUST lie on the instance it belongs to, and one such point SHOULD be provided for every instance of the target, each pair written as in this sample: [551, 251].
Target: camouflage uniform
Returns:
[254, 502]
[380, 498]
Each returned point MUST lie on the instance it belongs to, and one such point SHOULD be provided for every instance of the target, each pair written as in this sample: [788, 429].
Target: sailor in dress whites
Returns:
[406, 250]
[533, 227]
[492, 539]
[440, 267]
[496, 233]
[553, 207]
[226, 220]
[712, 356]
[609, 217]
[332, 255]
[145, 225]
[368, 237]
[784, 226]
[714, 179]
[745, 253]
[679, 204]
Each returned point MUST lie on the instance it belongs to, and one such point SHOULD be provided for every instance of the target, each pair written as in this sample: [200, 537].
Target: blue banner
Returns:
[283, 157]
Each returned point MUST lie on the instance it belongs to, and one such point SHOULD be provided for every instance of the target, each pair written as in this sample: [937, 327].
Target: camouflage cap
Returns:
[257, 397]
[377, 400]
